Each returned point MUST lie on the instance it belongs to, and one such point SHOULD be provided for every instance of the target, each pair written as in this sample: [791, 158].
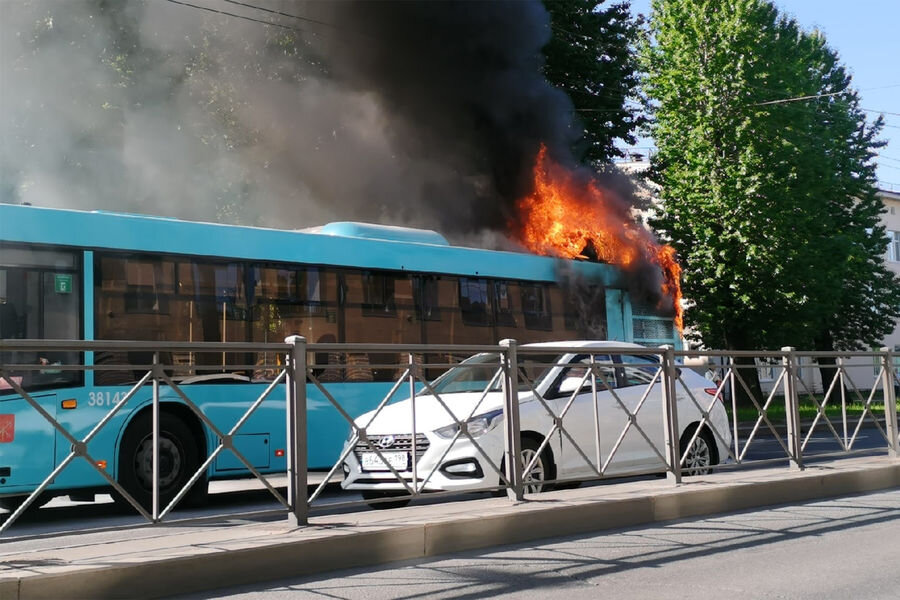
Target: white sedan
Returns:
[585, 442]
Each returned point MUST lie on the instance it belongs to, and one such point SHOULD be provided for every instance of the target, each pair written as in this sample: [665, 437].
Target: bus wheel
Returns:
[178, 460]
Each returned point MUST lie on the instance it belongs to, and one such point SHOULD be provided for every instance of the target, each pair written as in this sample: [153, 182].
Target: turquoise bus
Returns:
[78, 275]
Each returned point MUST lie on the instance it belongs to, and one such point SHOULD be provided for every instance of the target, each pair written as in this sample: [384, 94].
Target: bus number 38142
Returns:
[105, 398]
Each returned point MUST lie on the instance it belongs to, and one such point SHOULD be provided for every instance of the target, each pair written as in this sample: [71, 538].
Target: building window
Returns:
[768, 368]
[894, 246]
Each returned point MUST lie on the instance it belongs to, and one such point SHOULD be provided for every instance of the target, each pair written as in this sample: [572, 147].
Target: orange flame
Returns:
[568, 213]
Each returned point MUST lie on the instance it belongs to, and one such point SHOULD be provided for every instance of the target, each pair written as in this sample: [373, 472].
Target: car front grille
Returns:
[402, 442]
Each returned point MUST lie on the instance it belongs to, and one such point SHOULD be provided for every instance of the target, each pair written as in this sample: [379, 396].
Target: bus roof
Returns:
[341, 245]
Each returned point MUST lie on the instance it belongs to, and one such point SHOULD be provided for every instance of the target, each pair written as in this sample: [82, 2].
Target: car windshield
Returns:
[474, 374]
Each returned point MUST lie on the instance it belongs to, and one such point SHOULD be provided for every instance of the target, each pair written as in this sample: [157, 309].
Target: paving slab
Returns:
[176, 558]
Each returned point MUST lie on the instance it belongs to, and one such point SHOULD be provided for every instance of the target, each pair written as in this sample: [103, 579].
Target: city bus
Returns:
[81, 275]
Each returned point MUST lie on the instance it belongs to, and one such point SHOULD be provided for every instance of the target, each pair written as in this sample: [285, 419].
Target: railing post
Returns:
[670, 416]
[155, 433]
[513, 439]
[890, 403]
[412, 405]
[735, 432]
[596, 412]
[840, 376]
[792, 406]
[296, 430]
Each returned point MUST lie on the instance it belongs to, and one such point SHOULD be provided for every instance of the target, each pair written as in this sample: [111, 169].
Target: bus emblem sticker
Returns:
[7, 428]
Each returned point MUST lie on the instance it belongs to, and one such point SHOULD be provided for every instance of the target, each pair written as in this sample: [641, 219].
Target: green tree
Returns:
[591, 56]
[770, 203]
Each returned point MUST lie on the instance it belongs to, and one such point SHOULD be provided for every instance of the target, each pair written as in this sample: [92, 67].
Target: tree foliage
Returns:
[591, 56]
[772, 206]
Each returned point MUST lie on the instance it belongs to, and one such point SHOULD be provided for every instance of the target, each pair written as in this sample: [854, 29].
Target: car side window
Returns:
[638, 370]
[573, 376]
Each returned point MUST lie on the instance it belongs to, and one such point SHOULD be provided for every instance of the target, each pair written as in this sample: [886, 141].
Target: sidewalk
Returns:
[177, 558]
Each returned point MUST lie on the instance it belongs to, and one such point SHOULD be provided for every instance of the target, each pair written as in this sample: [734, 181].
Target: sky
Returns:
[864, 33]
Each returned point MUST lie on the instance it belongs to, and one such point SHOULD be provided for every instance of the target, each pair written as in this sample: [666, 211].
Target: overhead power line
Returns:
[282, 14]
[237, 16]
[799, 98]
[883, 112]
[782, 91]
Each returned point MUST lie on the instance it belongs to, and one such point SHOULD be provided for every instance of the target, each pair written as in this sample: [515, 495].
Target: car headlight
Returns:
[477, 425]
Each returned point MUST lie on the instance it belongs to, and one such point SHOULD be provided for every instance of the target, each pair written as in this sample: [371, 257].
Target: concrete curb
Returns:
[418, 533]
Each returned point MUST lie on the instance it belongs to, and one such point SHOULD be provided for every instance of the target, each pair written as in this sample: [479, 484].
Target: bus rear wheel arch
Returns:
[180, 455]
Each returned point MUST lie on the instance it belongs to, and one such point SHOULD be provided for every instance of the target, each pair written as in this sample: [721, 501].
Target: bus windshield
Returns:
[474, 374]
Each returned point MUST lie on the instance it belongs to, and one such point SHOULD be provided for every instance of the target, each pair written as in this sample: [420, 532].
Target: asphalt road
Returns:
[825, 550]
[239, 498]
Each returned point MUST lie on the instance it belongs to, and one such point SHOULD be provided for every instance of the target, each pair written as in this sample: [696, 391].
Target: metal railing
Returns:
[568, 414]
[153, 374]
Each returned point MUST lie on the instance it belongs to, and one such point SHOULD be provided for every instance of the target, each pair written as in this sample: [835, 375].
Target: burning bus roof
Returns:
[421, 251]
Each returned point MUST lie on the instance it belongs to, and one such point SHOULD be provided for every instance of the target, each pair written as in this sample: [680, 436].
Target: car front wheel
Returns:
[534, 480]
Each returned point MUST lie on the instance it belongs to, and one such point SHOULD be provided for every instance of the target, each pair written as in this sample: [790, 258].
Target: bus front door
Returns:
[27, 442]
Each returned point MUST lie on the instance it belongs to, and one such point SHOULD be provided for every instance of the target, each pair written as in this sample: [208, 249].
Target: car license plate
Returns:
[372, 462]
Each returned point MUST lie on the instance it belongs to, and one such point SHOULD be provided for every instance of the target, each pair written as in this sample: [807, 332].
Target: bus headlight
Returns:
[476, 426]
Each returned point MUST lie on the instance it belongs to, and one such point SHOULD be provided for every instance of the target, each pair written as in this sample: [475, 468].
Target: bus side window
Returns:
[40, 298]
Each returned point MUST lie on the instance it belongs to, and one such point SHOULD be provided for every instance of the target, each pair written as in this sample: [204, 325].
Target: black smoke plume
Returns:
[462, 86]
[418, 113]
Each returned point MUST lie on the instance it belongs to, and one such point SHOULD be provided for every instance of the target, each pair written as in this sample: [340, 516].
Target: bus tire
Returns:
[179, 460]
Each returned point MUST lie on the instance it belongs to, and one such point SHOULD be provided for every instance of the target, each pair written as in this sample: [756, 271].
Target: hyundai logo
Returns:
[386, 442]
